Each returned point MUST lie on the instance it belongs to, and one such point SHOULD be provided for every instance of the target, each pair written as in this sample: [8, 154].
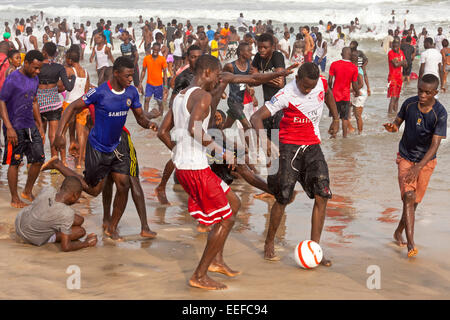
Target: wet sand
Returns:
[361, 219]
[357, 234]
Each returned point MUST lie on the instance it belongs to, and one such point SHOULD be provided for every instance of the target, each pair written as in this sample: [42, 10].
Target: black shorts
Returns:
[407, 70]
[100, 164]
[307, 166]
[343, 108]
[54, 115]
[29, 143]
[235, 110]
[273, 123]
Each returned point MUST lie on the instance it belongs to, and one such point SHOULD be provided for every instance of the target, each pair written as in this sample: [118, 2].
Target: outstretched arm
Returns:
[142, 120]
[164, 130]
[393, 127]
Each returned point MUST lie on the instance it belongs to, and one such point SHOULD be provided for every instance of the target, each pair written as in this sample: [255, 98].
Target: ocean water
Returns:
[428, 13]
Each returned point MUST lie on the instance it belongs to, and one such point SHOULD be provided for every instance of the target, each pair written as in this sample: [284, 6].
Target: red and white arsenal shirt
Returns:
[301, 113]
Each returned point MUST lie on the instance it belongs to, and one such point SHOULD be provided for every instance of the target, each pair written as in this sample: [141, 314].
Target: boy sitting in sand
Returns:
[50, 219]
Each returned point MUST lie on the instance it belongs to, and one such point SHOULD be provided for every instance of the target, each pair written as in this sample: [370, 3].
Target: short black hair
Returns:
[445, 43]
[241, 46]
[266, 37]
[193, 48]
[74, 53]
[428, 40]
[122, 63]
[50, 48]
[308, 70]
[29, 30]
[71, 185]
[206, 62]
[430, 79]
[12, 52]
[307, 28]
[34, 55]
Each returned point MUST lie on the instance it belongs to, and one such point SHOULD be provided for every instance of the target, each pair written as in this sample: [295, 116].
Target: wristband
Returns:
[335, 119]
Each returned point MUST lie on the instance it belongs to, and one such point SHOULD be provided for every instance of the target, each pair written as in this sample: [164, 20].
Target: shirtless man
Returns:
[202, 42]
[309, 44]
[147, 37]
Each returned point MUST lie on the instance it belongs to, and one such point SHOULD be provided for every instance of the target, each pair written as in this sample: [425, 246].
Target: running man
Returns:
[104, 153]
[425, 126]
[211, 201]
[301, 158]
[24, 132]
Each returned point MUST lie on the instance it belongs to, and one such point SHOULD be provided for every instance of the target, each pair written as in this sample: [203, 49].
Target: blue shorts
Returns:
[322, 64]
[156, 92]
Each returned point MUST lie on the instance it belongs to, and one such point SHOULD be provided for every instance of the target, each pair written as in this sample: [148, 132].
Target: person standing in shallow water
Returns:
[425, 126]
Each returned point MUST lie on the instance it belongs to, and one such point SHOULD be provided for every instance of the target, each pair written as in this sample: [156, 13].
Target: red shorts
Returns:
[395, 86]
[419, 186]
[308, 57]
[208, 202]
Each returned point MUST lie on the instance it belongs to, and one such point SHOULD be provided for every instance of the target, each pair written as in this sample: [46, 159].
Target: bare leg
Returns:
[317, 221]
[275, 219]
[122, 183]
[409, 212]
[344, 127]
[160, 190]
[139, 201]
[252, 178]
[107, 200]
[146, 103]
[33, 173]
[82, 134]
[358, 115]
[216, 241]
[13, 172]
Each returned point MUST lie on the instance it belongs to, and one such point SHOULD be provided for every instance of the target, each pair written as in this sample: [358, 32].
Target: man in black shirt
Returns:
[170, 32]
[269, 60]
[410, 52]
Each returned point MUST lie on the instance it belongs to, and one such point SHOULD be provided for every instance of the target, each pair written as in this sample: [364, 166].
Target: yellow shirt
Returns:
[214, 45]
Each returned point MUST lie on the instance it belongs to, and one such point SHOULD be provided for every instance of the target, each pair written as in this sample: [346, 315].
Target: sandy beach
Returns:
[357, 234]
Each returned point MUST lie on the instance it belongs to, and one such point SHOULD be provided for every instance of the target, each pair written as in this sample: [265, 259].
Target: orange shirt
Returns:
[155, 68]
[224, 32]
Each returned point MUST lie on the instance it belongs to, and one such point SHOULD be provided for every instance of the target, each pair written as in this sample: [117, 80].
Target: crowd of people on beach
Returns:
[46, 91]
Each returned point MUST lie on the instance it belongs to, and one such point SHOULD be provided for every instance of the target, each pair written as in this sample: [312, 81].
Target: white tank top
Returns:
[53, 39]
[27, 43]
[74, 39]
[62, 39]
[102, 58]
[188, 153]
[78, 89]
[320, 50]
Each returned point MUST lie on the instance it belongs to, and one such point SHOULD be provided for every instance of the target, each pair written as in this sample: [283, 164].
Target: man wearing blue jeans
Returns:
[320, 58]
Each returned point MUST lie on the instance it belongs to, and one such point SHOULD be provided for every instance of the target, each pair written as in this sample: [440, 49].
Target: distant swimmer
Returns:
[425, 126]
[49, 219]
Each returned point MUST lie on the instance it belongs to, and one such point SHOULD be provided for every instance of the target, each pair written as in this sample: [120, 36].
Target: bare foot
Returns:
[263, 195]
[202, 228]
[147, 233]
[114, 235]
[399, 239]
[325, 262]
[224, 269]
[19, 204]
[28, 197]
[49, 165]
[206, 283]
[160, 192]
[74, 149]
[413, 252]
[351, 130]
[269, 253]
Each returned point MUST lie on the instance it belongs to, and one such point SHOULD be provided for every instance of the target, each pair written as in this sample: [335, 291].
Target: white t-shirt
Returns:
[333, 36]
[284, 45]
[431, 57]
[240, 21]
[177, 43]
[438, 40]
